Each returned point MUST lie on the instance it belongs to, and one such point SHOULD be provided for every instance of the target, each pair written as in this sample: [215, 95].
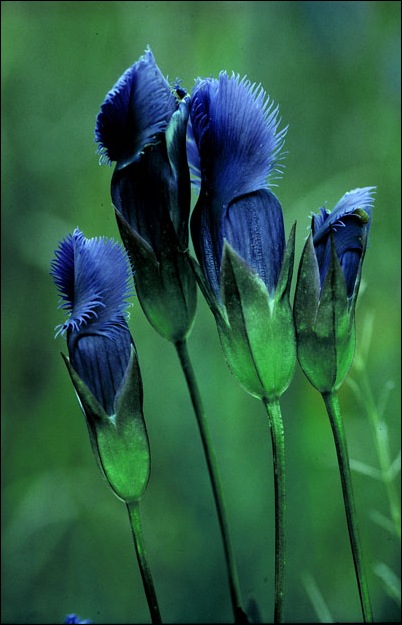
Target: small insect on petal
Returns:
[365, 218]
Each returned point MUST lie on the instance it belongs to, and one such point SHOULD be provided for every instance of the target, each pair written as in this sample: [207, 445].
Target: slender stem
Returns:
[278, 452]
[334, 413]
[182, 352]
[135, 523]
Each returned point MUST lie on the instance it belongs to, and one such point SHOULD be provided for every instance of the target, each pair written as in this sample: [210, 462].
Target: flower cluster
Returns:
[224, 137]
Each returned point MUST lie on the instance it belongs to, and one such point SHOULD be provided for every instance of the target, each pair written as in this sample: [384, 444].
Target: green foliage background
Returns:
[334, 69]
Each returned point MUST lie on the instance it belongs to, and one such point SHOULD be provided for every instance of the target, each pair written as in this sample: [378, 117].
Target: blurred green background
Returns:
[334, 69]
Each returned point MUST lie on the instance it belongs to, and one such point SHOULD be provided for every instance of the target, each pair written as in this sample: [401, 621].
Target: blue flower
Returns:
[142, 126]
[234, 147]
[135, 111]
[327, 289]
[238, 232]
[93, 276]
[348, 224]
[75, 619]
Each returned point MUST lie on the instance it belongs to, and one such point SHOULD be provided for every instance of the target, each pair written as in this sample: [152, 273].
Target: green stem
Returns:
[182, 352]
[278, 452]
[136, 528]
[335, 417]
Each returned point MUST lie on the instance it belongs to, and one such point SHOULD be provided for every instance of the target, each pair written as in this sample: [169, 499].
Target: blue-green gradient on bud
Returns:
[93, 277]
[327, 288]
[142, 127]
[238, 231]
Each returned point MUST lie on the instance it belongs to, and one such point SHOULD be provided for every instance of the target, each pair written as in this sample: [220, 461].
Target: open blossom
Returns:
[93, 277]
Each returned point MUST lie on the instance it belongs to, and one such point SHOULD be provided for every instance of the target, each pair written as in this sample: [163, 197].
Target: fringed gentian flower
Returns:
[238, 231]
[327, 288]
[325, 300]
[93, 276]
[245, 269]
[142, 126]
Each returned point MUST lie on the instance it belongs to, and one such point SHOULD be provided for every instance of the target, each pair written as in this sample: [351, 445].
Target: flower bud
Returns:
[327, 288]
[92, 276]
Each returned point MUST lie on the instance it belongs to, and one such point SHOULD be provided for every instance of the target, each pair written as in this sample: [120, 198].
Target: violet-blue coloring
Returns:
[142, 126]
[348, 224]
[234, 147]
[93, 277]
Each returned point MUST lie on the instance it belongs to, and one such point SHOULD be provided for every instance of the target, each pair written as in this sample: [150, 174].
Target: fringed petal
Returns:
[233, 147]
[93, 277]
[134, 112]
[349, 225]
[358, 202]
[235, 127]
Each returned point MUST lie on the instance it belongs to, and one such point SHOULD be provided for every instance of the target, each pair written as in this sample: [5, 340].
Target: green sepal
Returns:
[285, 277]
[216, 309]
[324, 322]
[165, 287]
[258, 337]
[175, 137]
[119, 441]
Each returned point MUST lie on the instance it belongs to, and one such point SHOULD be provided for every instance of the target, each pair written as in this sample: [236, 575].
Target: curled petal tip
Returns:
[136, 109]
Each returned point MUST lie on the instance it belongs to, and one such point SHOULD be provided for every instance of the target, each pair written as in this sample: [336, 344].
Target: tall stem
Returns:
[136, 529]
[278, 452]
[182, 352]
[334, 413]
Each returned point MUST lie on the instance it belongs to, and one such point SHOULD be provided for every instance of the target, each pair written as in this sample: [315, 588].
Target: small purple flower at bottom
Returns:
[74, 618]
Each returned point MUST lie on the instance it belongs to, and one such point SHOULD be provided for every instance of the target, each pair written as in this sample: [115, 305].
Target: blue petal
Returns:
[349, 204]
[101, 362]
[93, 277]
[235, 128]
[193, 157]
[137, 108]
[145, 194]
[348, 224]
[233, 145]
[253, 225]
[207, 237]
[350, 266]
